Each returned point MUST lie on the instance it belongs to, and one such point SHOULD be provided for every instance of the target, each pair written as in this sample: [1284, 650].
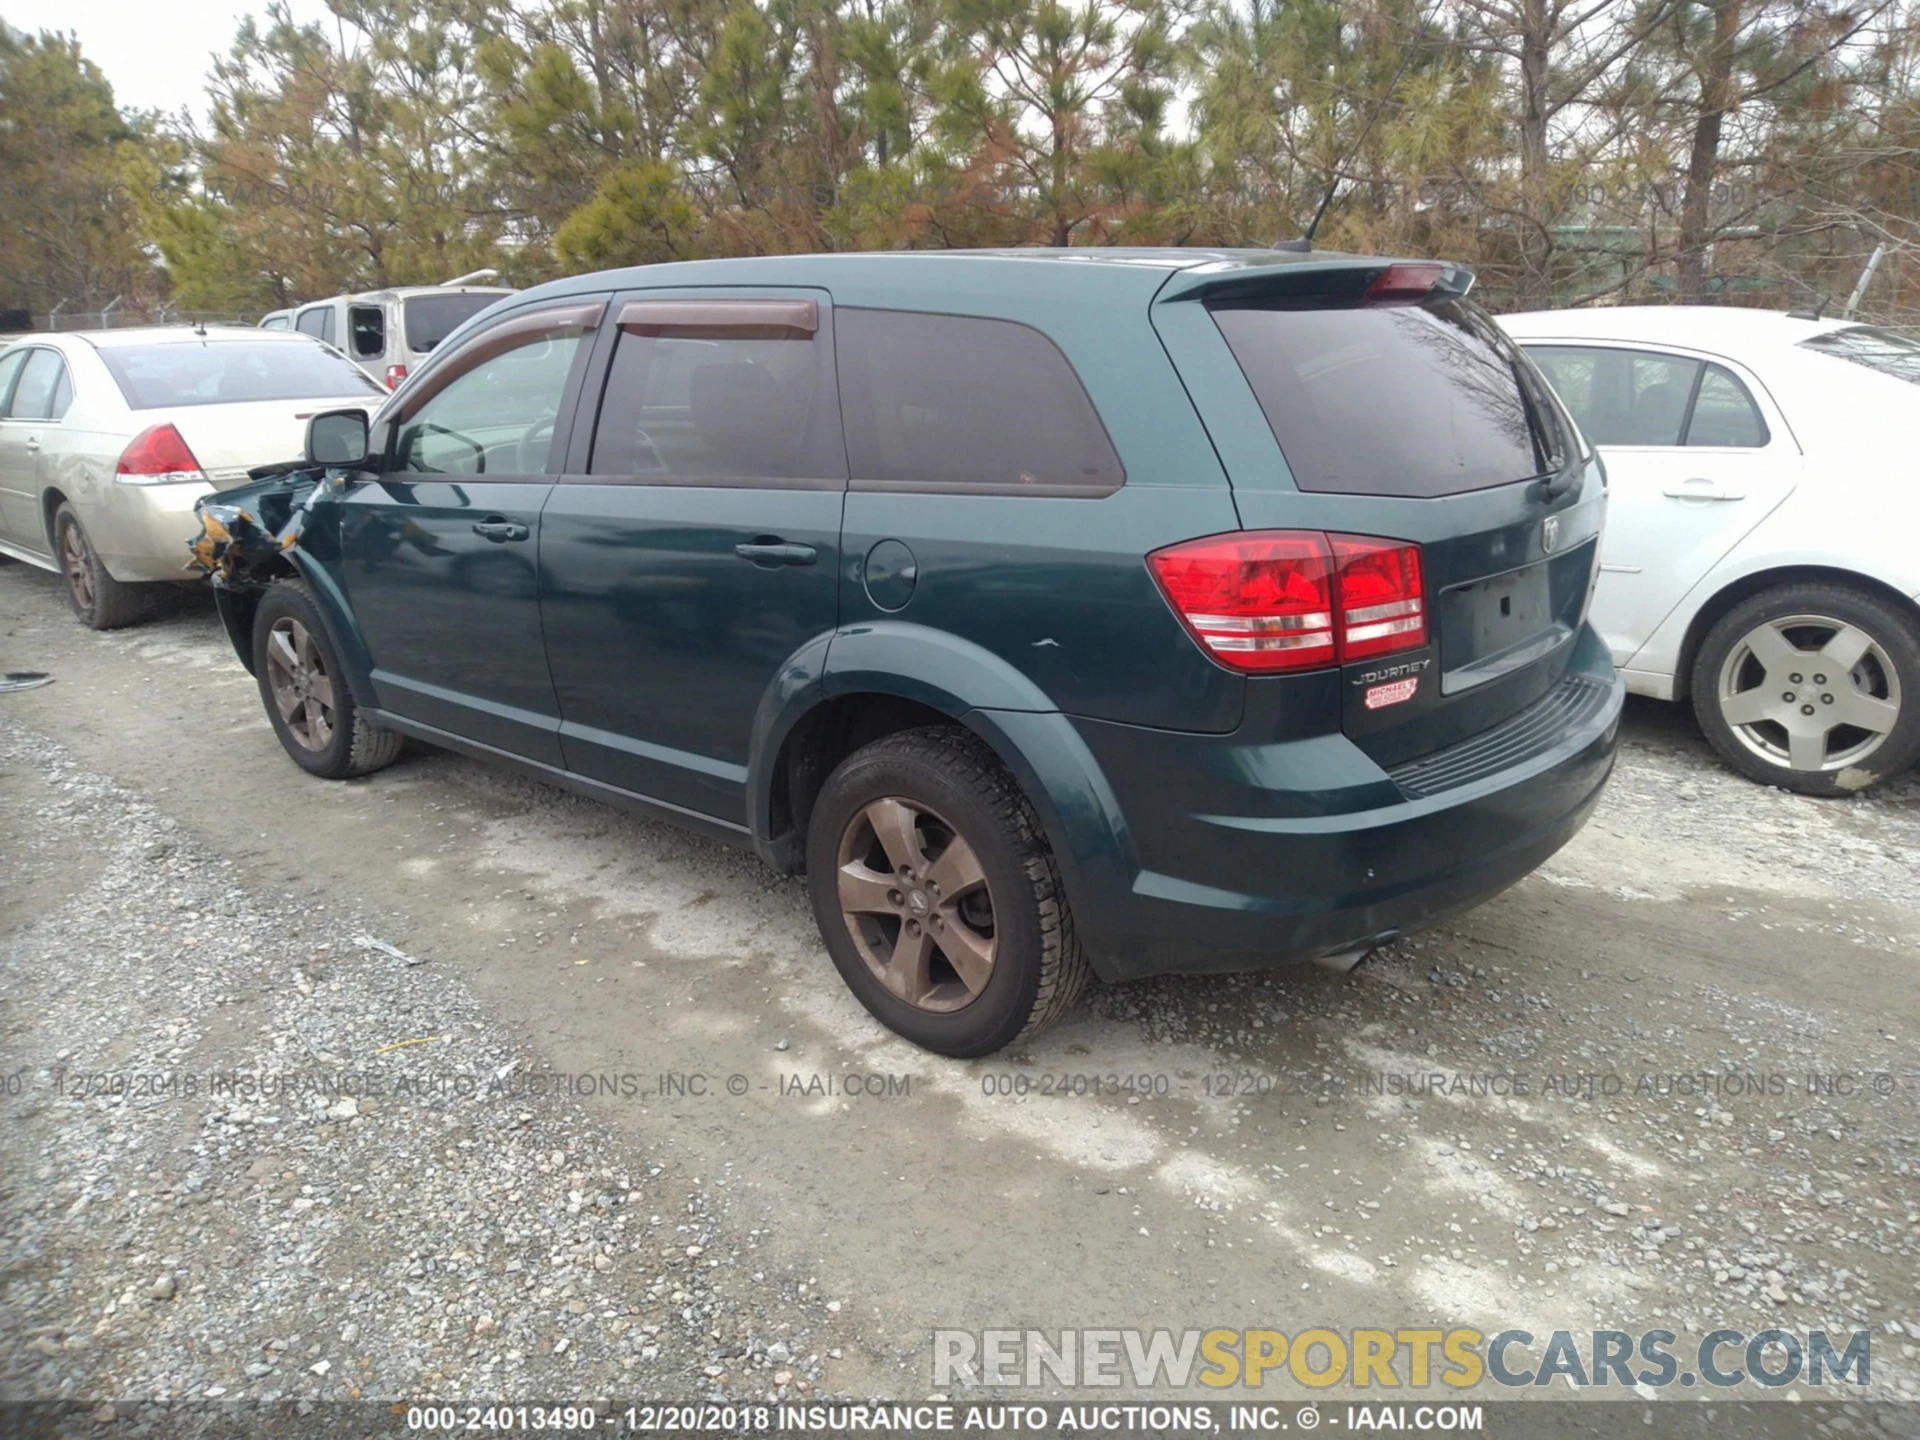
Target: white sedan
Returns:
[108, 437]
[1760, 555]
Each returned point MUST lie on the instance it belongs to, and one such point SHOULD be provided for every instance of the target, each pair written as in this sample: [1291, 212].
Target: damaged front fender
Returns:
[249, 535]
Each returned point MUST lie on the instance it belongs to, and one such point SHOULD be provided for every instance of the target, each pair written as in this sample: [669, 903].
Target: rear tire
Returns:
[938, 897]
[101, 602]
[309, 699]
[1813, 687]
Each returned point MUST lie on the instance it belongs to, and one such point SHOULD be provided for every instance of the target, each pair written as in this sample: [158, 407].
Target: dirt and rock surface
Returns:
[448, 1084]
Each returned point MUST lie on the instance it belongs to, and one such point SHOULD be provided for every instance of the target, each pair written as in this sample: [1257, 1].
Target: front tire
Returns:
[305, 688]
[1812, 687]
[938, 897]
[101, 602]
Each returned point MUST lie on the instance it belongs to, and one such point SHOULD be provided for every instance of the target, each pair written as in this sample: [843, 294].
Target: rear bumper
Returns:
[1236, 871]
[141, 532]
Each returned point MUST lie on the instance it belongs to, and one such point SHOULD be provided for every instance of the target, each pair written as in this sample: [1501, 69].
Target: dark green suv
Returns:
[1054, 611]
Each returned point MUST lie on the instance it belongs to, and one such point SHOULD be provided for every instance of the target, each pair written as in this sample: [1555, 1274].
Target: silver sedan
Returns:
[108, 437]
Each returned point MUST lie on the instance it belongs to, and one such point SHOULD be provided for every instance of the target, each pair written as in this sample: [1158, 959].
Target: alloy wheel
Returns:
[1809, 692]
[78, 564]
[915, 899]
[302, 688]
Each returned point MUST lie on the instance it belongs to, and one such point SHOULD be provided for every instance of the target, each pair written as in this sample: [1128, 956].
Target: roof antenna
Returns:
[1304, 244]
[1813, 314]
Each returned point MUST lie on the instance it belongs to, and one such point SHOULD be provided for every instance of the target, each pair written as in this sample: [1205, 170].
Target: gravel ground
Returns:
[180, 901]
[435, 1223]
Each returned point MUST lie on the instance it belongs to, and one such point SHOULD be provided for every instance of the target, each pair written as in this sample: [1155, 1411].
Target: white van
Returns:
[386, 332]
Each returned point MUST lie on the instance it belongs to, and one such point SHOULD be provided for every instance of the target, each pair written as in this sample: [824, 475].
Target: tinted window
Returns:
[10, 364]
[716, 403]
[957, 401]
[431, 318]
[224, 372]
[1724, 413]
[317, 322]
[1621, 397]
[367, 331]
[1390, 400]
[38, 393]
[1881, 350]
[497, 418]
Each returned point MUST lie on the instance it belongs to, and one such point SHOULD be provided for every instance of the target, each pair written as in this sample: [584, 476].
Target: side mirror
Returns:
[339, 437]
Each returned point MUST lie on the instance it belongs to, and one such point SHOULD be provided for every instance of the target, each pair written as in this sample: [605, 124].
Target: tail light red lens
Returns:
[1270, 600]
[1258, 601]
[1383, 604]
[395, 374]
[158, 456]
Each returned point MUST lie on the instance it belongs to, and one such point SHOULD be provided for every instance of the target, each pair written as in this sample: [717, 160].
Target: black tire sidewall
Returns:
[999, 1014]
[284, 599]
[1894, 632]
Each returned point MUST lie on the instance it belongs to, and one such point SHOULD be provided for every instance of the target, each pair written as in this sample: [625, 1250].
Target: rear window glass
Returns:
[431, 318]
[724, 403]
[225, 372]
[956, 401]
[1416, 400]
[1887, 351]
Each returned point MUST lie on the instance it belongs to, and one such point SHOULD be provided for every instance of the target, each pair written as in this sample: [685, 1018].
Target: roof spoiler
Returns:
[470, 277]
[1325, 279]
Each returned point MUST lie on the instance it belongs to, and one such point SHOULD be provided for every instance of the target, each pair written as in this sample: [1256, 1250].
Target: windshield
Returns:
[229, 372]
[431, 318]
[1415, 400]
[1887, 351]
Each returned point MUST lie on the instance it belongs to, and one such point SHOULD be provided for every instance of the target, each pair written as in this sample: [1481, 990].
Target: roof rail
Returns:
[471, 276]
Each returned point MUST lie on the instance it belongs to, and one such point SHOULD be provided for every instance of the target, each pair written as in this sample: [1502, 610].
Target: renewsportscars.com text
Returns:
[1390, 1359]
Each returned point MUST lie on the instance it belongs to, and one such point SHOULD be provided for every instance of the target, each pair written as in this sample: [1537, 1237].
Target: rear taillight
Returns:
[395, 374]
[1267, 600]
[158, 456]
[1383, 604]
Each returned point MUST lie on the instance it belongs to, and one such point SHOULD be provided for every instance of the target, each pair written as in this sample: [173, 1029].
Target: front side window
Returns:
[498, 417]
[226, 372]
[42, 391]
[1641, 397]
[367, 331]
[317, 322]
[718, 390]
[959, 402]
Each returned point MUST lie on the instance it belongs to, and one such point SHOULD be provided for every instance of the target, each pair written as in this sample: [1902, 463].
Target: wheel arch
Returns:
[1747, 586]
[836, 697]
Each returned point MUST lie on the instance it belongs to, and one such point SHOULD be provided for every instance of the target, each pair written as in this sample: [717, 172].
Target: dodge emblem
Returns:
[1549, 534]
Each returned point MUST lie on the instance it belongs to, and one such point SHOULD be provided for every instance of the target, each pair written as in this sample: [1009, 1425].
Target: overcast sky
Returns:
[155, 53]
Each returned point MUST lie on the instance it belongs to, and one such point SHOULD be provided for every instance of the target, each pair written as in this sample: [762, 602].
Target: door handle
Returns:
[500, 531]
[1701, 488]
[771, 552]
[33, 442]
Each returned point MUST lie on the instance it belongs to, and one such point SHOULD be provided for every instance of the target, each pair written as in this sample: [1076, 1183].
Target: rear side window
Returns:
[956, 402]
[9, 370]
[1415, 400]
[223, 372]
[367, 331]
[317, 322]
[693, 402]
[42, 392]
[431, 318]
[274, 322]
[1641, 397]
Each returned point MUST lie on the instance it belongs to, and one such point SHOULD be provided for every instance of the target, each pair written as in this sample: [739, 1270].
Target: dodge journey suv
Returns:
[1056, 612]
